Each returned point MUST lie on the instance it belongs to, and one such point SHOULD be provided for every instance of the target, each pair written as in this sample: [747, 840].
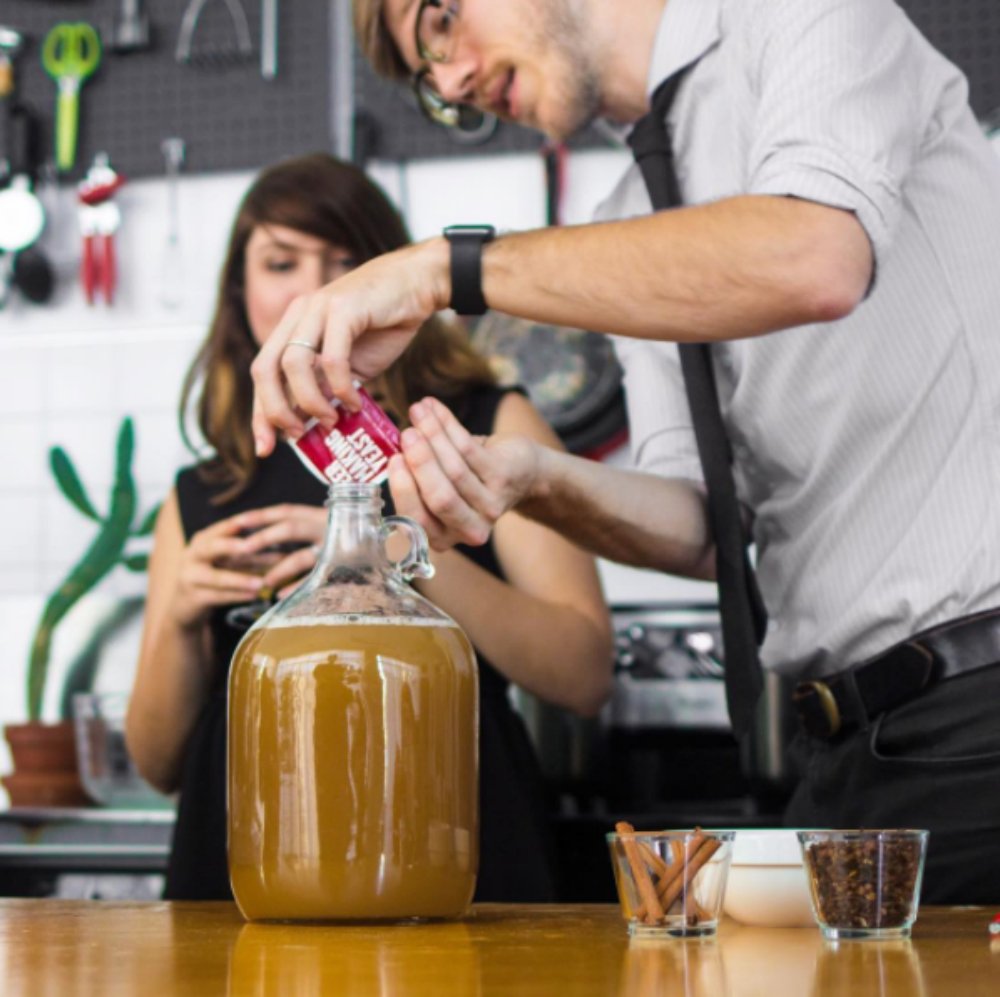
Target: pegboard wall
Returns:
[968, 33]
[227, 114]
[231, 118]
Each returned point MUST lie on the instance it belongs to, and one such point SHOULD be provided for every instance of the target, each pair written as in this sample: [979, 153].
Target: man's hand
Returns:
[457, 485]
[353, 328]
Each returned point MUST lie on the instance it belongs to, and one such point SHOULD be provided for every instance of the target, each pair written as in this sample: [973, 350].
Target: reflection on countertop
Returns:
[51, 946]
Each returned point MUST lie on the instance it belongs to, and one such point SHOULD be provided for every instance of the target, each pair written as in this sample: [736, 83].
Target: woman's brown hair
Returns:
[334, 201]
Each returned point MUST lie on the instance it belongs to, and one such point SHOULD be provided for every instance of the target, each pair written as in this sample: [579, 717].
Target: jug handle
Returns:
[416, 563]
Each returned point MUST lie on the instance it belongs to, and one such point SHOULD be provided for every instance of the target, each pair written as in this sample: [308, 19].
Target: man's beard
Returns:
[576, 88]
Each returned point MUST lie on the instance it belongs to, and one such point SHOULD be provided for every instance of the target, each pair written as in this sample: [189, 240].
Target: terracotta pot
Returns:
[45, 768]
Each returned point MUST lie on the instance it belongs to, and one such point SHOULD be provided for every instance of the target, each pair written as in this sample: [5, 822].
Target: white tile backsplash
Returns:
[588, 181]
[149, 375]
[18, 578]
[21, 534]
[159, 452]
[22, 383]
[476, 194]
[78, 374]
[23, 456]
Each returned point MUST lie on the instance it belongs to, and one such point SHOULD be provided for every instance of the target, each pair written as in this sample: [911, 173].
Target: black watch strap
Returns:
[467, 243]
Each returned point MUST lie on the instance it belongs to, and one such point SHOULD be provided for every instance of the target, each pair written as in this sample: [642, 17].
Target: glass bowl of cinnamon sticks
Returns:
[670, 883]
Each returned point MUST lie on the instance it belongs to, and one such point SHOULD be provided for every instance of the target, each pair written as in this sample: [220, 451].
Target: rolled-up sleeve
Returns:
[839, 118]
[660, 433]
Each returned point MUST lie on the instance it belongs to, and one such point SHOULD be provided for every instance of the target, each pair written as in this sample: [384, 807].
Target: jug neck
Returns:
[353, 526]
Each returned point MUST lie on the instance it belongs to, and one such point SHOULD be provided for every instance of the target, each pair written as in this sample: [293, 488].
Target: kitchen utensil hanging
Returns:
[22, 217]
[237, 47]
[130, 30]
[71, 54]
[269, 39]
[172, 265]
[11, 44]
[100, 219]
[31, 272]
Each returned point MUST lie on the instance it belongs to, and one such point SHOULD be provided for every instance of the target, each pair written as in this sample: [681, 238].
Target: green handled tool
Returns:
[71, 54]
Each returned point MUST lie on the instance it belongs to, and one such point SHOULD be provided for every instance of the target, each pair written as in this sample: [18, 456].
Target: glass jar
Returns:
[353, 738]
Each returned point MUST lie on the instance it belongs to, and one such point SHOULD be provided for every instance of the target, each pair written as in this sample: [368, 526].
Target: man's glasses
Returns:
[436, 34]
[437, 29]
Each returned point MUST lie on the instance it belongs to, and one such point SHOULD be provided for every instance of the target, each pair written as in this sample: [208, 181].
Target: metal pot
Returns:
[569, 748]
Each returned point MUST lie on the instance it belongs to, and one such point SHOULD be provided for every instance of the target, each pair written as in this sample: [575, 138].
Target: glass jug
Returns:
[353, 738]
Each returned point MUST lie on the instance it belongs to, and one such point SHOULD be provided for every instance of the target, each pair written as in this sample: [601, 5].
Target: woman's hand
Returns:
[291, 536]
[235, 560]
[208, 573]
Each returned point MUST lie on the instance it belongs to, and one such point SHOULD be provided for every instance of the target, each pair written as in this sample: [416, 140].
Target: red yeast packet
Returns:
[357, 449]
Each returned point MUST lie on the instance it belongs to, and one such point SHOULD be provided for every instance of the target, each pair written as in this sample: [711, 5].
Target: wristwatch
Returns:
[467, 243]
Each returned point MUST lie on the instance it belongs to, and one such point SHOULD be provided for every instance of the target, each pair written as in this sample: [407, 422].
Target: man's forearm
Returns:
[624, 516]
[734, 268]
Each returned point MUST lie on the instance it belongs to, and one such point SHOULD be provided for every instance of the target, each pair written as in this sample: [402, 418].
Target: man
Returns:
[840, 190]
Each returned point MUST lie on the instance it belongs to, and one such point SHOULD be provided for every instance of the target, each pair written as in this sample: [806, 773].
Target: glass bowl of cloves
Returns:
[864, 884]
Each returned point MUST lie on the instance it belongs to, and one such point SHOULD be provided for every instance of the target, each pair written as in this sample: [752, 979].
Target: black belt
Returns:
[855, 696]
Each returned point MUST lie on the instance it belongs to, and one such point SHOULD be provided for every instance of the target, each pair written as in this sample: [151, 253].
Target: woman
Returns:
[302, 224]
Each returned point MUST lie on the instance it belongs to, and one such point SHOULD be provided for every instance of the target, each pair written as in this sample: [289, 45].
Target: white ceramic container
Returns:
[767, 881]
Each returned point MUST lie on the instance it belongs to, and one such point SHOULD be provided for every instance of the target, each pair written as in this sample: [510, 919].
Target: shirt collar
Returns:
[688, 29]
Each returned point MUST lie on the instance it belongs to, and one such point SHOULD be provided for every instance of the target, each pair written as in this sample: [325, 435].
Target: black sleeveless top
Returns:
[514, 839]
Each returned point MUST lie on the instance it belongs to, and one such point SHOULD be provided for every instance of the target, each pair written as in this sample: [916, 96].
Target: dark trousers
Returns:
[933, 763]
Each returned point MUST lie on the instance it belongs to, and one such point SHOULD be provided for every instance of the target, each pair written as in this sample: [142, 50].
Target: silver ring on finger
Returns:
[302, 342]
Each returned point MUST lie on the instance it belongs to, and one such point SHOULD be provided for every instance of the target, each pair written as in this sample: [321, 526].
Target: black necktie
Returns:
[744, 618]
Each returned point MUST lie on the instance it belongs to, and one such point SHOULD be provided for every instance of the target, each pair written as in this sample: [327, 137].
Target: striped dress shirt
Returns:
[868, 449]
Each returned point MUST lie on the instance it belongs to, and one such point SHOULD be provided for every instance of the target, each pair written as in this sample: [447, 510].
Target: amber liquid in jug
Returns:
[353, 734]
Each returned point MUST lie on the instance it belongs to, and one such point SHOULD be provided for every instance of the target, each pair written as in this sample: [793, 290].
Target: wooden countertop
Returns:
[93, 947]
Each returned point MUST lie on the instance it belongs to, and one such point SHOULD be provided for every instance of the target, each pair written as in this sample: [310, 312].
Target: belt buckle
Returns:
[818, 709]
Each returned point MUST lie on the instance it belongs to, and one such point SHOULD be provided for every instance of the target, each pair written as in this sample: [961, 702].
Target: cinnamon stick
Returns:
[649, 910]
[692, 866]
[656, 865]
[691, 908]
[682, 856]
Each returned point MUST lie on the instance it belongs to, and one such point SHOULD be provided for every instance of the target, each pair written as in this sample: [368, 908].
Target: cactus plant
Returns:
[106, 551]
